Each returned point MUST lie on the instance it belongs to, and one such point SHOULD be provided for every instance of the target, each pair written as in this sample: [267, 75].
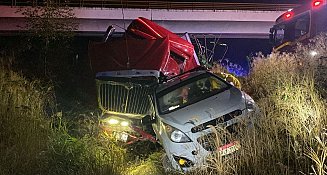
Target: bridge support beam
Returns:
[225, 23]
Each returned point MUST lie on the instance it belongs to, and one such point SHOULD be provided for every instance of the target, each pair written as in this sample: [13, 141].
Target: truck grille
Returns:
[124, 97]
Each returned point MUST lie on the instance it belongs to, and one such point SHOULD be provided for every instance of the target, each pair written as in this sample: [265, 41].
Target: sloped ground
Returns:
[290, 135]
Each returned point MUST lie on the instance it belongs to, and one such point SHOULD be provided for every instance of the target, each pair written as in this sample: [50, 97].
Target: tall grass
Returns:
[35, 138]
[23, 130]
[289, 136]
[290, 90]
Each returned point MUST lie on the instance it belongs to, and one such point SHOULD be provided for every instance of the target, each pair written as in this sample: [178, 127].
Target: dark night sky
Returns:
[239, 49]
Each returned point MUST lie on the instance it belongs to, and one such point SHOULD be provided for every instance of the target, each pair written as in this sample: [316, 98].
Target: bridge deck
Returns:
[236, 20]
[143, 4]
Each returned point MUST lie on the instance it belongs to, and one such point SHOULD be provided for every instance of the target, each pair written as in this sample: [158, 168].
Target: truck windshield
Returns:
[291, 30]
[189, 92]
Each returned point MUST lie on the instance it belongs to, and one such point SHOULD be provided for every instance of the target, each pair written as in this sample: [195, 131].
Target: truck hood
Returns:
[207, 109]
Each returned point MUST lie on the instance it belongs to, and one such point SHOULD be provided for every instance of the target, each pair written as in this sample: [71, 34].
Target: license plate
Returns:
[121, 136]
[229, 148]
[124, 137]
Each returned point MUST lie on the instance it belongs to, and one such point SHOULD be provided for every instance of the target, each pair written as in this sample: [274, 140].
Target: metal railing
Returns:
[141, 4]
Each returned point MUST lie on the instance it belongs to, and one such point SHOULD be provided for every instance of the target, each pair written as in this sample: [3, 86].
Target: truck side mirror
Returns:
[110, 30]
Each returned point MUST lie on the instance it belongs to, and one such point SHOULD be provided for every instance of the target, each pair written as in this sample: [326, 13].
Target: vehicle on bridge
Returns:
[299, 25]
[149, 80]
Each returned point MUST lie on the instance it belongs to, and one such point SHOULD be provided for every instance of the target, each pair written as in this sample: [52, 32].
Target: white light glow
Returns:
[124, 123]
[113, 121]
[313, 53]
[289, 10]
[173, 107]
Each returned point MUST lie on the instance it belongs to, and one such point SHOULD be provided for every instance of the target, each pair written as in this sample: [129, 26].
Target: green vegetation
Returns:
[289, 137]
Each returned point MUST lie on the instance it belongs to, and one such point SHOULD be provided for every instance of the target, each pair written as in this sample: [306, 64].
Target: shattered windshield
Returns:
[189, 92]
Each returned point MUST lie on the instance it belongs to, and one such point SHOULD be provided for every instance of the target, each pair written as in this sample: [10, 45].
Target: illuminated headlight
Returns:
[113, 121]
[176, 135]
[124, 123]
[249, 102]
[116, 122]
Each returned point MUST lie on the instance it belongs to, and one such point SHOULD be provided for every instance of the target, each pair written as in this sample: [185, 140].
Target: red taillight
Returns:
[288, 15]
[317, 3]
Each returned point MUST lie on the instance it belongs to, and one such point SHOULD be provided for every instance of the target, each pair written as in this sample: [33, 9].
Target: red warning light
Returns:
[288, 15]
[317, 3]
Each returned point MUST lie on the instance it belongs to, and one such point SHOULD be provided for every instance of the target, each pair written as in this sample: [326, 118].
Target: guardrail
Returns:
[156, 4]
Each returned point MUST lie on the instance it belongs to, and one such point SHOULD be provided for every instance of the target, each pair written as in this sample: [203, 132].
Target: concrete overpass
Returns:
[225, 23]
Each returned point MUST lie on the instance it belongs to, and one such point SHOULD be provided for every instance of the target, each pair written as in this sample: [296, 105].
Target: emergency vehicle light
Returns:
[288, 15]
[317, 3]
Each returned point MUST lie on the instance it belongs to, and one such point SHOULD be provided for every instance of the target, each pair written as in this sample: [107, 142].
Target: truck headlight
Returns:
[114, 121]
[176, 135]
[124, 123]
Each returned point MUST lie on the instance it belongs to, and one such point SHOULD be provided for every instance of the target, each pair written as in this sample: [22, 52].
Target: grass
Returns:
[23, 129]
[36, 138]
[289, 136]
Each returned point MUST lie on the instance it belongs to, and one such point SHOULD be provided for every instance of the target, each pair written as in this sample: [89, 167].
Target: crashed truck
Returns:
[143, 79]
[129, 68]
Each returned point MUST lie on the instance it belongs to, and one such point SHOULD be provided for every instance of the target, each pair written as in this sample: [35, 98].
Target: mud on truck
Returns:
[151, 87]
